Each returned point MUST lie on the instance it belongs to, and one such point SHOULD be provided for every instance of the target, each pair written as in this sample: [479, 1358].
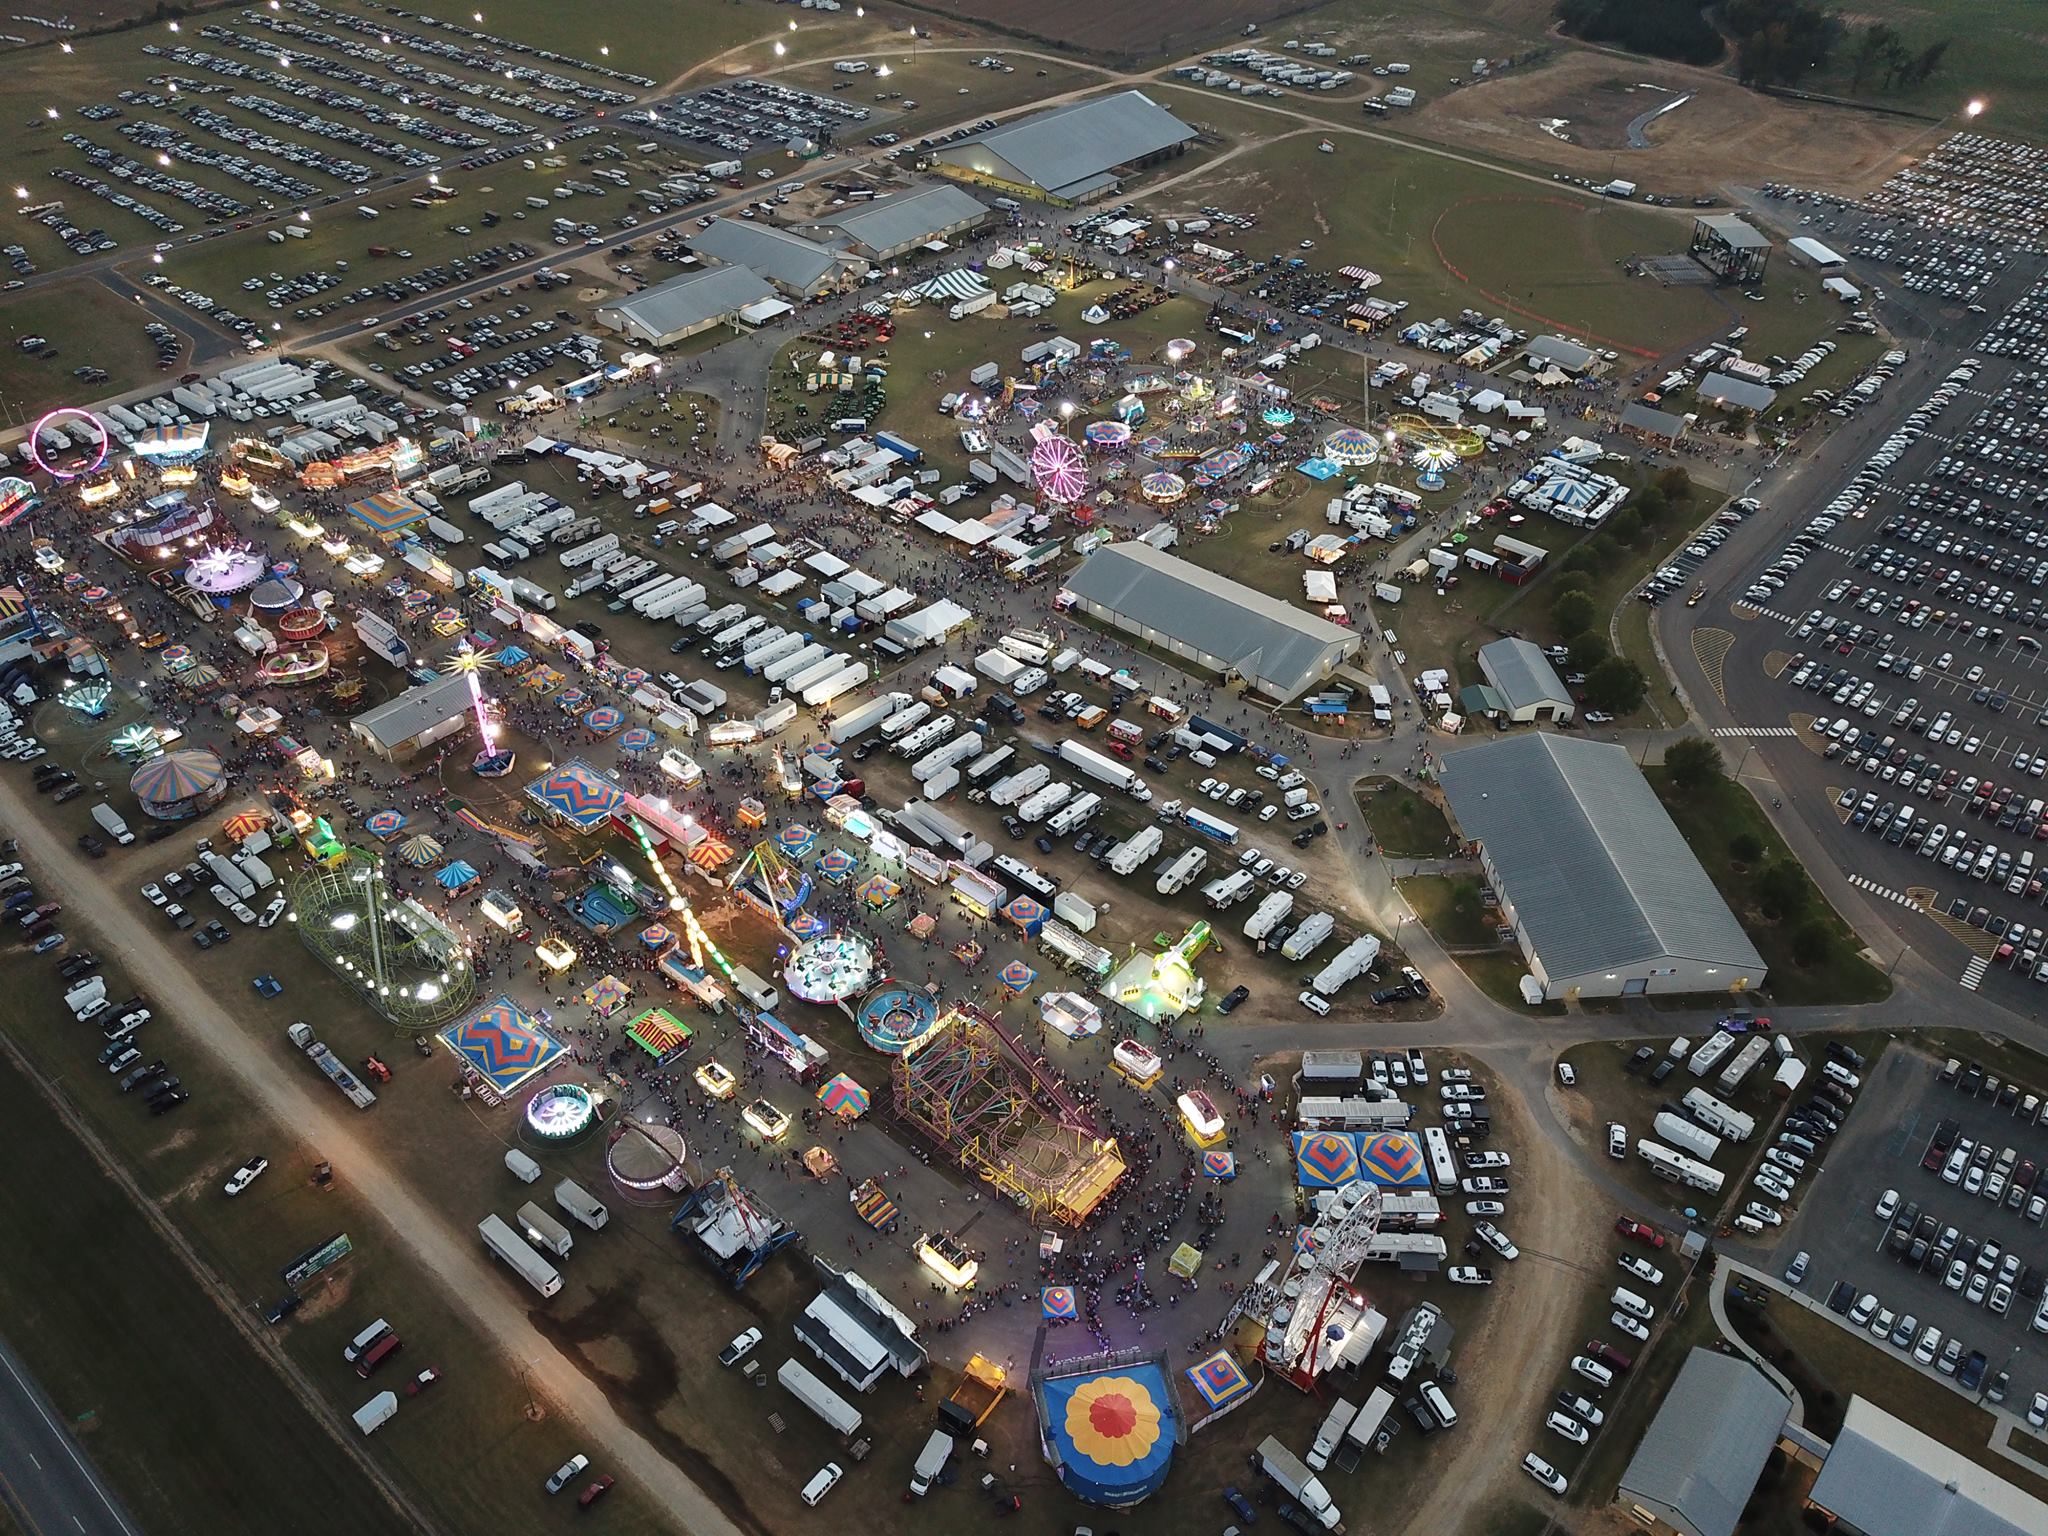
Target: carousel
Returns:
[179, 785]
[221, 574]
[1351, 448]
[1163, 488]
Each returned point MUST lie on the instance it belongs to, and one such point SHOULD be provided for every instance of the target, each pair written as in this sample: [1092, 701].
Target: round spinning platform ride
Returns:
[830, 968]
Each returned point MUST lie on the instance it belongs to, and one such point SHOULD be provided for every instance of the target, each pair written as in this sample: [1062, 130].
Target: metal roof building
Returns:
[416, 719]
[1883, 1477]
[1648, 421]
[893, 225]
[795, 265]
[1216, 622]
[1528, 683]
[685, 305]
[1739, 394]
[1824, 257]
[1604, 896]
[1070, 153]
[1699, 1461]
[1558, 352]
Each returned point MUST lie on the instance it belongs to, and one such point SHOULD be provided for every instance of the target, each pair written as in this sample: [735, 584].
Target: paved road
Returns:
[46, 1482]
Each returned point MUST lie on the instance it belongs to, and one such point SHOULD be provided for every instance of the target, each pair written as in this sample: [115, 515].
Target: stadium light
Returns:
[1975, 108]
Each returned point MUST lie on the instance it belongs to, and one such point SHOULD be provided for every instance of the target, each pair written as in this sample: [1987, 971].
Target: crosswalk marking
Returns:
[1769, 613]
[1754, 730]
[1973, 973]
[1863, 883]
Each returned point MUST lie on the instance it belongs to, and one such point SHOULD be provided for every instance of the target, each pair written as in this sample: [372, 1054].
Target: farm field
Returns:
[89, 325]
[1995, 53]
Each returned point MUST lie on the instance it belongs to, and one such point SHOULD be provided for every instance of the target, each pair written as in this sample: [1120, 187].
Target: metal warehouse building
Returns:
[1883, 1477]
[415, 719]
[800, 268]
[1530, 688]
[1068, 154]
[683, 306]
[1701, 1458]
[891, 226]
[1209, 619]
[1603, 894]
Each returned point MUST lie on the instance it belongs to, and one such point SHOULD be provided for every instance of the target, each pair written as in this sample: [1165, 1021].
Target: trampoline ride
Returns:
[894, 1017]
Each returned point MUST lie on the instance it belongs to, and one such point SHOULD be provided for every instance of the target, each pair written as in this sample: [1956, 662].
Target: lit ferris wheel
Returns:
[1059, 469]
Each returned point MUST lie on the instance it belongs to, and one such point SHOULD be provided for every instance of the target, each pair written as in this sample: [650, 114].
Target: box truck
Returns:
[543, 1230]
[110, 822]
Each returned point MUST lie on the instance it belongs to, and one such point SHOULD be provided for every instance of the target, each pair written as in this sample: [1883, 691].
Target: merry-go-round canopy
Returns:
[178, 779]
[638, 739]
[385, 823]
[419, 850]
[604, 719]
[453, 877]
[606, 994]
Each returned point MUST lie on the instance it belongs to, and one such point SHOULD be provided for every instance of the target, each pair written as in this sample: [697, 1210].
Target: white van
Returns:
[1438, 1405]
[1629, 1302]
[361, 1343]
[822, 1482]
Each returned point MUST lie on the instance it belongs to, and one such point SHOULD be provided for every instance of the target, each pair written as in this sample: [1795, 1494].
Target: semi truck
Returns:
[1267, 915]
[542, 1229]
[1133, 851]
[828, 1405]
[228, 875]
[517, 1252]
[1199, 820]
[110, 822]
[1349, 963]
[1104, 769]
[1175, 877]
[1308, 933]
[357, 1092]
[1285, 1468]
[865, 717]
[1676, 1168]
[1687, 1137]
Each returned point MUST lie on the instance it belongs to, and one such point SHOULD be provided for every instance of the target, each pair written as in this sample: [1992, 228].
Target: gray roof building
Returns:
[1221, 624]
[1605, 896]
[685, 305]
[792, 263]
[1700, 1459]
[1738, 393]
[1883, 1477]
[1070, 152]
[1568, 355]
[894, 225]
[415, 718]
[1736, 234]
[1526, 680]
[1651, 422]
[857, 1332]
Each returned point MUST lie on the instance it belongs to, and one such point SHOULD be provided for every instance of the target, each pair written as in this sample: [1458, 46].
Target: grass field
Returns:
[1445, 234]
[133, 1350]
[1710, 818]
[1995, 53]
[1450, 907]
[1404, 824]
[947, 87]
[88, 324]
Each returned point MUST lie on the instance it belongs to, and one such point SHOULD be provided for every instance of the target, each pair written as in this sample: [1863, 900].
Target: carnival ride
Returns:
[734, 1232]
[972, 1088]
[648, 1161]
[405, 962]
[1315, 1315]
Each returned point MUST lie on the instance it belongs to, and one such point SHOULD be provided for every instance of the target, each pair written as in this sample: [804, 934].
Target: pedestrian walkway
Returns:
[1973, 973]
[1864, 883]
[1717, 1303]
[1754, 730]
[1744, 605]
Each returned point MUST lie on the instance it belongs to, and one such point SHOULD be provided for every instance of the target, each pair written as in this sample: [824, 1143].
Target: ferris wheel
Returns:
[1059, 469]
[1336, 1244]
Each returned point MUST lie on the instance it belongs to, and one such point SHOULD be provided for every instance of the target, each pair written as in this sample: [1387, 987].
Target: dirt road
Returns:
[299, 1099]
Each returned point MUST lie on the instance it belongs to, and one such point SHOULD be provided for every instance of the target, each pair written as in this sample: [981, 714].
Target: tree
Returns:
[1571, 581]
[1879, 44]
[1745, 848]
[1615, 686]
[1588, 649]
[1676, 484]
[1782, 891]
[1693, 763]
[1650, 505]
[1573, 612]
[1813, 943]
[1929, 63]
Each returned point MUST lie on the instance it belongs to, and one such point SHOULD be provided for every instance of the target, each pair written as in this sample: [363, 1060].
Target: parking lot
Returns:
[744, 117]
[1838, 1226]
[1913, 608]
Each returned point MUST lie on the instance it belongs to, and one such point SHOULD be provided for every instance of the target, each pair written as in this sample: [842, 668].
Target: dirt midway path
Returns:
[474, 1284]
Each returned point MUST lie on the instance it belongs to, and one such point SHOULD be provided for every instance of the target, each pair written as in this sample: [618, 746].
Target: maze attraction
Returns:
[969, 1086]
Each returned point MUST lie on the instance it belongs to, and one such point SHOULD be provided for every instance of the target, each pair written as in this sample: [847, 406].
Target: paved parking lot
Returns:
[1909, 624]
[1876, 1152]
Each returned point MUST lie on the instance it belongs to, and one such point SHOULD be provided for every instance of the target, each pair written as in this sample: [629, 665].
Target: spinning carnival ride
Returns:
[996, 1111]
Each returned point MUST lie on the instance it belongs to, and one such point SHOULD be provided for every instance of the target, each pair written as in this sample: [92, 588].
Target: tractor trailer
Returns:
[1103, 769]
[517, 1252]
[864, 717]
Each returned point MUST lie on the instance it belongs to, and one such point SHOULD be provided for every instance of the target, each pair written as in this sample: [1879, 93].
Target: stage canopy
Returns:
[1058, 1303]
[1219, 1380]
[503, 1043]
[1332, 1159]
[658, 1032]
[577, 794]
[1325, 1159]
